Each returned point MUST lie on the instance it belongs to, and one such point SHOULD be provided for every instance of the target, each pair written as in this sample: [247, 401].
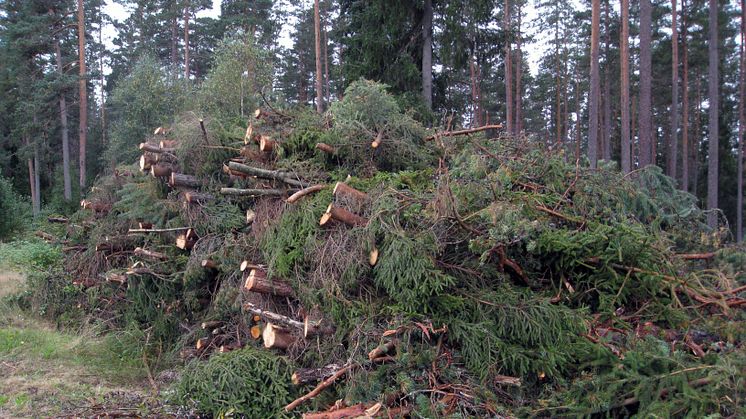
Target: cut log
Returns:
[145, 226]
[341, 189]
[228, 171]
[310, 375]
[369, 411]
[273, 317]
[182, 180]
[248, 265]
[118, 278]
[256, 332]
[373, 257]
[381, 350]
[156, 230]
[463, 132]
[147, 160]
[266, 144]
[259, 113]
[166, 158]
[45, 236]
[158, 131]
[161, 170]
[204, 131]
[256, 281]
[276, 337]
[313, 325]
[377, 141]
[57, 220]
[193, 197]
[115, 244]
[256, 318]
[202, 344]
[319, 388]
[303, 192]
[250, 216]
[139, 251]
[286, 177]
[86, 283]
[211, 324]
[95, 206]
[252, 192]
[185, 242]
[326, 148]
[248, 138]
[342, 215]
[231, 347]
[168, 144]
[139, 271]
[209, 264]
[154, 148]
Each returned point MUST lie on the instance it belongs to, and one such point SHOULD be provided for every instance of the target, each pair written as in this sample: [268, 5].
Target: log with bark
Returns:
[248, 138]
[250, 216]
[234, 173]
[204, 131]
[161, 170]
[272, 317]
[154, 148]
[168, 144]
[463, 132]
[155, 230]
[145, 226]
[194, 197]
[149, 254]
[310, 375]
[211, 324]
[287, 177]
[252, 192]
[116, 244]
[276, 337]
[373, 257]
[314, 325]
[58, 220]
[115, 277]
[139, 270]
[367, 411]
[187, 240]
[343, 190]
[319, 388]
[326, 148]
[246, 265]
[341, 215]
[95, 206]
[166, 158]
[381, 350]
[377, 141]
[184, 181]
[209, 264]
[229, 347]
[147, 160]
[266, 144]
[303, 192]
[45, 236]
[256, 332]
[256, 280]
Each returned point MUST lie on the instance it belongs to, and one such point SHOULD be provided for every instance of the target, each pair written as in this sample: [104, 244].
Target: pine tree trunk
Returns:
[741, 127]
[624, 57]
[577, 119]
[595, 93]
[186, 41]
[327, 88]
[713, 131]
[174, 41]
[508, 70]
[695, 145]
[518, 125]
[83, 92]
[474, 95]
[37, 181]
[427, 54]
[319, 76]
[32, 184]
[685, 102]
[606, 154]
[67, 191]
[103, 78]
[645, 116]
[673, 153]
[557, 85]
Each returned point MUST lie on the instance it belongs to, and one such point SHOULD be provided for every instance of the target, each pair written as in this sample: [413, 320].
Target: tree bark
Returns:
[713, 131]
[32, 184]
[319, 75]
[606, 131]
[673, 151]
[645, 115]
[149, 254]
[303, 192]
[186, 41]
[518, 111]
[286, 177]
[595, 94]
[161, 170]
[67, 191]
[83, 92]
[342, 215]
[192, 197]
[276, 337]
[37, 181]
[741, 126]
[154, 148]
[427, 54]
[508, 69]
[253, 192]
[341, 189]
[624, 58]
[685, 101]
[273, 317]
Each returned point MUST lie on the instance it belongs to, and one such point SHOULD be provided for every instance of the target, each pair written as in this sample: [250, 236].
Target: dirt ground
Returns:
[48, 373]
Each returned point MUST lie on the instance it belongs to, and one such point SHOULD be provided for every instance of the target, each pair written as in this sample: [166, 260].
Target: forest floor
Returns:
[48, 373]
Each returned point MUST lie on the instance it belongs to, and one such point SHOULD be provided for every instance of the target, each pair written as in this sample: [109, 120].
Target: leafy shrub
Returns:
[246, 383]
[14, 210]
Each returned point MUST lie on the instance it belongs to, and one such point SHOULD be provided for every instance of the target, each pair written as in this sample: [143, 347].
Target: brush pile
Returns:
[358, 264]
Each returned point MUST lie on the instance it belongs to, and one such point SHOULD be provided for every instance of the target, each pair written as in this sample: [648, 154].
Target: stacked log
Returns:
[184, 181]
[276, 337]
[256, 280]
